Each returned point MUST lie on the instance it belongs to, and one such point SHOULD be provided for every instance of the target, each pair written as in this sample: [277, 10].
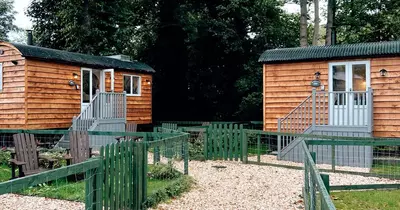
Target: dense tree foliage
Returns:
[6, 18]
[205, 52]
[367, 21]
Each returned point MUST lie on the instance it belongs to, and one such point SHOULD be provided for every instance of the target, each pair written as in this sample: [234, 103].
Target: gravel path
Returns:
[20, 202]
[230, 185]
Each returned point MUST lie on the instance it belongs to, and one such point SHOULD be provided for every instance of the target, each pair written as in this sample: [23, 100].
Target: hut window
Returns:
[1, 76]
[132, 85]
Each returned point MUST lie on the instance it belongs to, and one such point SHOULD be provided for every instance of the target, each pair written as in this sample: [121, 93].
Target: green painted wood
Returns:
[215, 141]
[231, 140]
[225, 131]
[107, 177]
[89, 189]
[99, 177]
[205, 144]
[220, 141]
[333, 160]
[235, 143]
[365, 187]
[241, 140]
[131, 175]
[186, 156]
[258, 147]
[117, 175]
[325, 178]
[313, 156]
[113, 176]
[28, 181]
[122, 175]
[145, 167]
[355, 143]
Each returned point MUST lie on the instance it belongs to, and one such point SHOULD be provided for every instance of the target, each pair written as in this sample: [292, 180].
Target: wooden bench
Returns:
[129, 127]
[79, 149]
[26, 156]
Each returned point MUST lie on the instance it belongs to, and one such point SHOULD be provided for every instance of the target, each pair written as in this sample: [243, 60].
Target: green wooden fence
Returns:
[225, 141]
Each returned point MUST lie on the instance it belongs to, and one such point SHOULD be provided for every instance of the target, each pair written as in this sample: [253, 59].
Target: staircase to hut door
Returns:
[314, 116]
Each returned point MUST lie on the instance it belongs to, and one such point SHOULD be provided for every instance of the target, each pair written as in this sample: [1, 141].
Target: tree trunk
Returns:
[303, 23]
[329, 24]
[316, 23]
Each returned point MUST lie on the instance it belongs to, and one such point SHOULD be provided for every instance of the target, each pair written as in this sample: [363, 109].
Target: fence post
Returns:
[314, 107]
[186, 154]
[205, 143]
[244, 145]
[97, 114]
[279, 139]
[144, 169]
[313, 156]
[325, 178]
[156, 155]
[74, 120]
[333, 157]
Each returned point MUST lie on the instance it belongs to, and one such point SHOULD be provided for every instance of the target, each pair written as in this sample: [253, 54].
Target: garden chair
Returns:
[79, 150]
[129, 127]
[26, 156]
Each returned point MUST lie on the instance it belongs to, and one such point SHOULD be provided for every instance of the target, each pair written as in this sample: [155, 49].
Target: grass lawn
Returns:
[386, 169]
[371, 199]
[75, 191]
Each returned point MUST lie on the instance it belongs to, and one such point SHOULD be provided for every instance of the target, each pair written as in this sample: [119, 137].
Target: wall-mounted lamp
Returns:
[14, 62]
[316, 82]
[148, 82]
[72, 83]
[383, 72]
[75, 75]
[1, 52]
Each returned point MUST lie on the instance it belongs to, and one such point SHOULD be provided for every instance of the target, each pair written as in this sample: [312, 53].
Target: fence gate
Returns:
[224, 142]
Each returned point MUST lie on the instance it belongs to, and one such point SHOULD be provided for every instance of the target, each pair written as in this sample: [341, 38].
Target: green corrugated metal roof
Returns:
[373, 49]
[85, 60]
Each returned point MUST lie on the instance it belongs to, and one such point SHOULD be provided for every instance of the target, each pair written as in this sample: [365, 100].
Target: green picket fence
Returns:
[224, 141]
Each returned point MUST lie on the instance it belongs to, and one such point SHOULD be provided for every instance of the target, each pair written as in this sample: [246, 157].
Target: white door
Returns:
[90, 82]
[348, 83]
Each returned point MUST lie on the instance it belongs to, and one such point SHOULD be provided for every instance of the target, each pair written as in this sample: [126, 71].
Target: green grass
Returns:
[5, 173]
[157, 190]
[386, 168]
[372, 199]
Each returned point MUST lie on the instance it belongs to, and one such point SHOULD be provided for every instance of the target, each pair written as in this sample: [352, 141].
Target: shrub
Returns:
[174, 189]
[57, 154]
[163, 171]
[5, 156]
[196, 148]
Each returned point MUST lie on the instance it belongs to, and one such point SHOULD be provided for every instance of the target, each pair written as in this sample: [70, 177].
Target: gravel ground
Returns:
[20, 202]
[240, 186]
[230, 185]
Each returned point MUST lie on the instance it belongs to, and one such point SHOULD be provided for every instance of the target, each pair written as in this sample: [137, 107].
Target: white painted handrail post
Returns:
[314, 108]
[97, 108]
[74, 123]
[279, 139]
[124, 106]
[370, 110]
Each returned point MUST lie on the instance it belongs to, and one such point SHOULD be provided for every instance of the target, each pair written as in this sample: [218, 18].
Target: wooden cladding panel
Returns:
[51, 102]
[12, 97]
[287, 85]
[139, 108]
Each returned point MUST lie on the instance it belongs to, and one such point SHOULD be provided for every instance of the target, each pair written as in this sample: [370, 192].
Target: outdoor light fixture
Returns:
[14, 62]
[316, 82]
[148, 81]
[75, 75]
[1, 52]
[383, 72]
[72, 83]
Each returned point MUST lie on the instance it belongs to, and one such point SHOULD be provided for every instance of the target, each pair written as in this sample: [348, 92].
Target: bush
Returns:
[196, 148]
[163, 171]
[5, 156]
[57, 154]
[174, 189]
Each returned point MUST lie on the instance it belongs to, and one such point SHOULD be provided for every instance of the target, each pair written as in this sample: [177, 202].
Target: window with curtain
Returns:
[132, 85]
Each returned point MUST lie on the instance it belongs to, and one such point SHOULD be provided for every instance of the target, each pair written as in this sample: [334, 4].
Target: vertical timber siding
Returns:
[51, 102]
[12, 102]
[286, 85]
[139, 108]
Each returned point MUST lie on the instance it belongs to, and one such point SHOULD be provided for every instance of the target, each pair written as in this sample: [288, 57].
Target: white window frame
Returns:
[1, 77]
[139, 85]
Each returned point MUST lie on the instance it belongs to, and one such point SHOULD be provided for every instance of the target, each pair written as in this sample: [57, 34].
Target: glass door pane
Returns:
[86, 86]
[359, 79]
[339, 83]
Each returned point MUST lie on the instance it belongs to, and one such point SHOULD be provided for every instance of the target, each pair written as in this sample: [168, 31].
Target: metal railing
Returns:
[328, 110]
[104, 106]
